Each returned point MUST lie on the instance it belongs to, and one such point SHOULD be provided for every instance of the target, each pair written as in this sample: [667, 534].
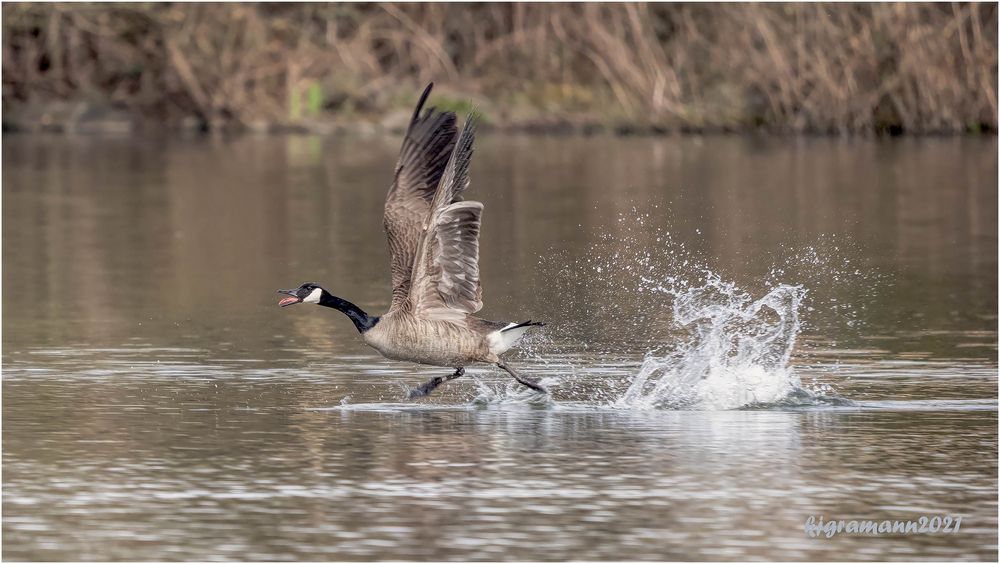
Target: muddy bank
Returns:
[84, 117]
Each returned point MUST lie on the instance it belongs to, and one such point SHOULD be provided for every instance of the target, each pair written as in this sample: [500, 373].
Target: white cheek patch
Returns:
[313, 297]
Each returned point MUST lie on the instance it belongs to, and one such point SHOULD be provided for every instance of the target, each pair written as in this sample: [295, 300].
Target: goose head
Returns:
[308, 293]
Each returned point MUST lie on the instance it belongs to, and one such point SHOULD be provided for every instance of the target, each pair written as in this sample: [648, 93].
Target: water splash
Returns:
[685, 336]
[508, 393]
[736, 352]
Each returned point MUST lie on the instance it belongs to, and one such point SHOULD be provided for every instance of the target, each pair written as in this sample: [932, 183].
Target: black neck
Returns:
[361, 320]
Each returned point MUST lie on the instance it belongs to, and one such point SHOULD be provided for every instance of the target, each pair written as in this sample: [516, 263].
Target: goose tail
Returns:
[504, 339]
[528, 323]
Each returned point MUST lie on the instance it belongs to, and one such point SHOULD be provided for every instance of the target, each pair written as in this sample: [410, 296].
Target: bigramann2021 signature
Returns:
[818, 527]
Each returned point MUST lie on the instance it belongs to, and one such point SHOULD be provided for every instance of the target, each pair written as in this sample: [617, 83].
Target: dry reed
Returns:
[792, 67]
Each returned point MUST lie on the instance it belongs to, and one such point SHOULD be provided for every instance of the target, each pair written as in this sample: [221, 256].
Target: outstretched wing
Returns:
[446, 273]
[423, 158]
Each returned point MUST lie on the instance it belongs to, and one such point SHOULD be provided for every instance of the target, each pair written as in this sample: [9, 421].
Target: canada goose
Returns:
[434, 257]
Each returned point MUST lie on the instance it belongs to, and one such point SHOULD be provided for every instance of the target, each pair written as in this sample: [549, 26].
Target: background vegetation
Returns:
[915, 68]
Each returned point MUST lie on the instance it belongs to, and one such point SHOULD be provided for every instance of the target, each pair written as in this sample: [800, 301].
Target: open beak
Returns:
[291, 300]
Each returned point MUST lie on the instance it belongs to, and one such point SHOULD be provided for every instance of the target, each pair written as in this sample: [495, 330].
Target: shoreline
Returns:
[87, 118]
[369, 129]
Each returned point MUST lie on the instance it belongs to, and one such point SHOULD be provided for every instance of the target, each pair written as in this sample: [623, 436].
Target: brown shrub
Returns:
[794, 67]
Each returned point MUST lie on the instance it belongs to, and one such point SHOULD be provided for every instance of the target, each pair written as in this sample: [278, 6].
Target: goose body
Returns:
[441, 343]
[433, 237]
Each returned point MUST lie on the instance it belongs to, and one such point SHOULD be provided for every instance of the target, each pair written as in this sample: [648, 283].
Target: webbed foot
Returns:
[427, 387]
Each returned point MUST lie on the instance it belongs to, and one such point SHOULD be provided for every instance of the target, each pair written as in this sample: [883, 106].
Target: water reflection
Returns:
[186, 236]
[223, 466]
[158, 405]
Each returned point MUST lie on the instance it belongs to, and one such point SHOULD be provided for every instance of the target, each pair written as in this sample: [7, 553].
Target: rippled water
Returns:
[742, 334]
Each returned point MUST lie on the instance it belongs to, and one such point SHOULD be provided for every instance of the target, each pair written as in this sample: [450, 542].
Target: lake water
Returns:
[742, 333]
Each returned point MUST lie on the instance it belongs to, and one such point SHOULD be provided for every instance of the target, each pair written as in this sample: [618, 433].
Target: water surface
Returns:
[157, 404]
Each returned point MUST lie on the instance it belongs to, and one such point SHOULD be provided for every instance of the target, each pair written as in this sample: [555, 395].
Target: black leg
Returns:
[529, 383]
[427, 387]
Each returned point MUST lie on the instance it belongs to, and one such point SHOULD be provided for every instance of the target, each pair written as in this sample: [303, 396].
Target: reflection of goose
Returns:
[434, 257]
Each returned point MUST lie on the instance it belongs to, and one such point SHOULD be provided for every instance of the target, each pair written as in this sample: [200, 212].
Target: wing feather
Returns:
[446, 274]
[423, 158]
